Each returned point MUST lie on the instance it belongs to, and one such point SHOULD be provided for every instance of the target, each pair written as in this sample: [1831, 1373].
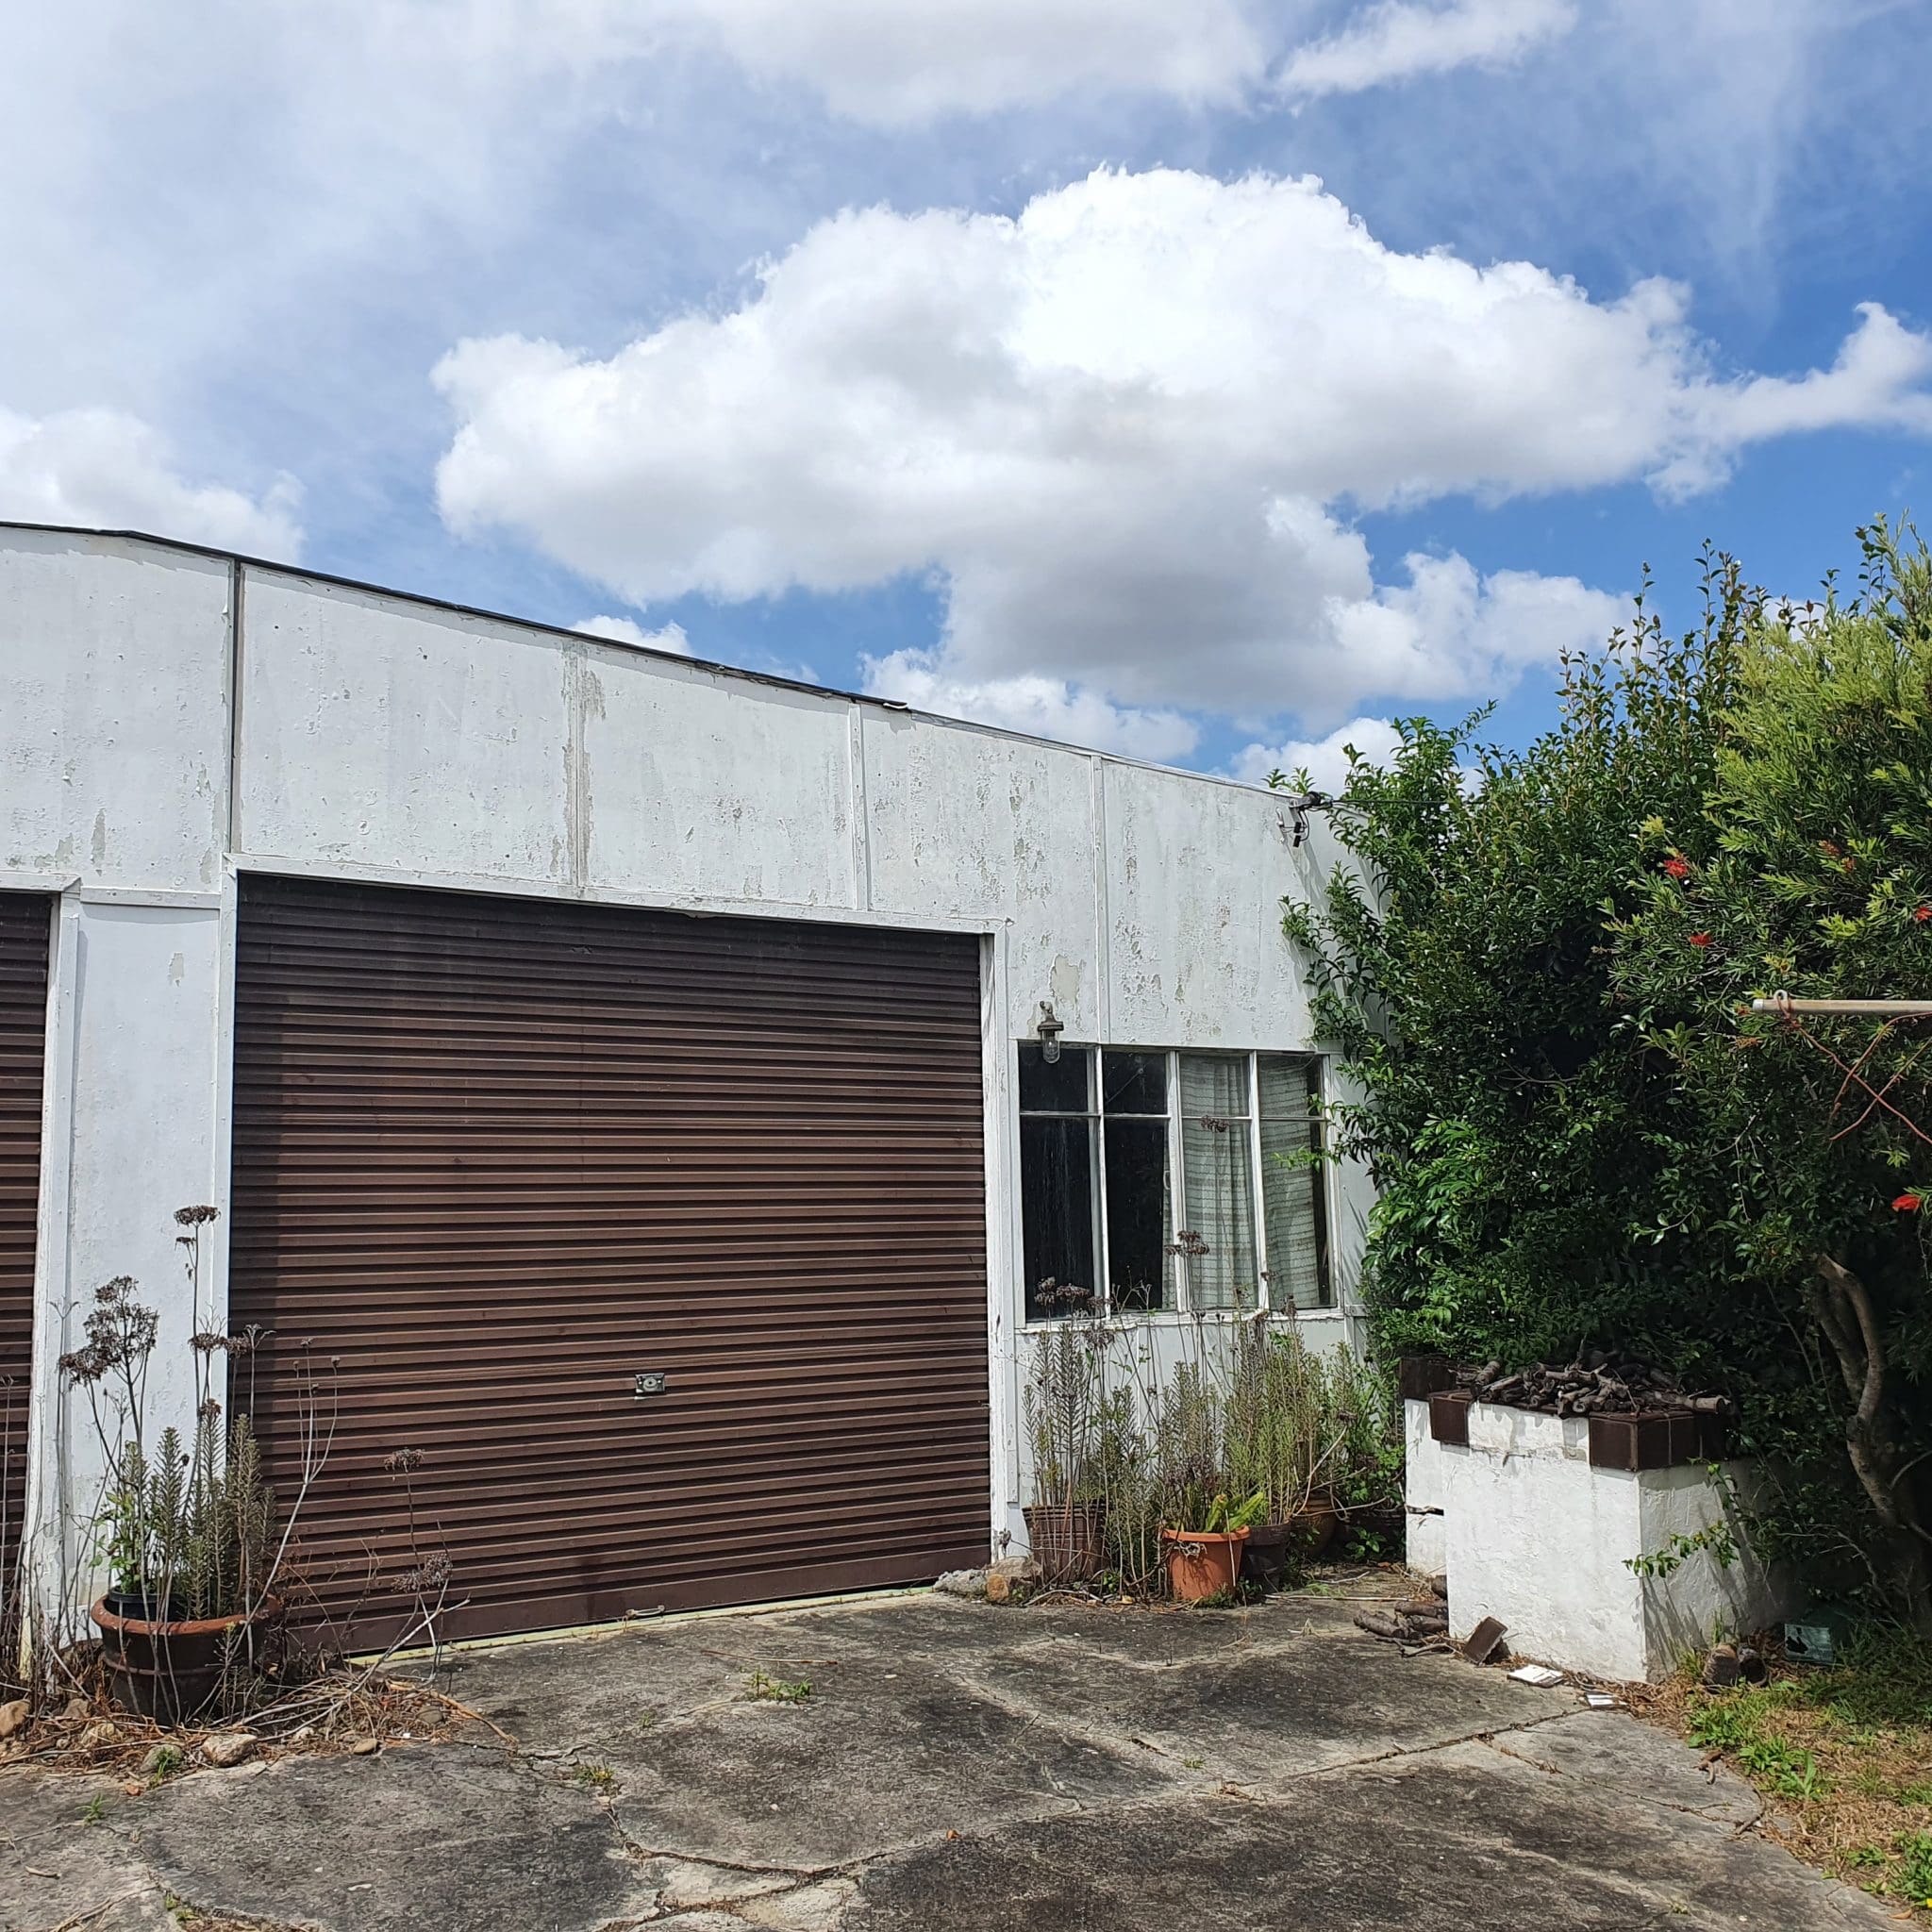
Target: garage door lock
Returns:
[651, 1382]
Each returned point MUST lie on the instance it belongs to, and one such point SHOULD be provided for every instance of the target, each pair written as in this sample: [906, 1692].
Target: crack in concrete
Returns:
[1738, 1827]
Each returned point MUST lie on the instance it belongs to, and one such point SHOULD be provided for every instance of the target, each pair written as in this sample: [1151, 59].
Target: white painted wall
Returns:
[1538, 1538]
[128, 1137]
[385, 738]
[1425, 1485]
[373, 736]
[114, 729]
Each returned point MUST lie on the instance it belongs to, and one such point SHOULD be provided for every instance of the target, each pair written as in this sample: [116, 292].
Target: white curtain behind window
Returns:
[1290, 1190]
[1218, 1182]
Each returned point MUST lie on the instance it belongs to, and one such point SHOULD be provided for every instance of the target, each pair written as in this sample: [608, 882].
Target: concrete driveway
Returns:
[951, 1765]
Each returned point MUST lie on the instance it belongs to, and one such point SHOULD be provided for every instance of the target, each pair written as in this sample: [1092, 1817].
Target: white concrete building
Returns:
[544, 1013]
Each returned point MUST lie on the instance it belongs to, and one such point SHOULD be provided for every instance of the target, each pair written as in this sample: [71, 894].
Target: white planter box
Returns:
[1532, 1535]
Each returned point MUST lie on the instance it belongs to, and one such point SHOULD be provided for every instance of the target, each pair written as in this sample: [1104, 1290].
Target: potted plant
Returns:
[1369, 1457]
[1280, 1443]
[1204, 1563]
[187, 1531]
[1064, 1401]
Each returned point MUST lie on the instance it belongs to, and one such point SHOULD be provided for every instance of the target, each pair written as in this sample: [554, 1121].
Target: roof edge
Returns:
[243, 559]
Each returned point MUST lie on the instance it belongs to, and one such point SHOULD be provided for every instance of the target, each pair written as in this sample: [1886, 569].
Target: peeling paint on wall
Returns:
[583, 699]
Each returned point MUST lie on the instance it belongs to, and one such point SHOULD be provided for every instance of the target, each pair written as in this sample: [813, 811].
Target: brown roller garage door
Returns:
[25, 922]
[495, 1160]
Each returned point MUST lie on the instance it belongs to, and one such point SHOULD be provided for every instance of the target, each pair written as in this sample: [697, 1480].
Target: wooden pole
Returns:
[1870, 1010]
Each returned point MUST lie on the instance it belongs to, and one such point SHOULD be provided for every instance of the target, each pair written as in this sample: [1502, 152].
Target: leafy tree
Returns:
[1810, 870]
[1533, 963]
[1462, 965]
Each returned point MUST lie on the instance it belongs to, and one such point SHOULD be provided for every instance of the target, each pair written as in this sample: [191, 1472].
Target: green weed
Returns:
[769, 1689]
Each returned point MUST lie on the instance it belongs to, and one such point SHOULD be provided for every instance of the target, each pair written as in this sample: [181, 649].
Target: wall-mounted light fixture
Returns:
[1050, 1028]
[1300, 804]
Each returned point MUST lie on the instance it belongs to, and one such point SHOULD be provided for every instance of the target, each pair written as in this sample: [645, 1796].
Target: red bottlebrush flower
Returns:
[1700, 938]
[1677, 868]
[1907, 1203]
[1922, 914]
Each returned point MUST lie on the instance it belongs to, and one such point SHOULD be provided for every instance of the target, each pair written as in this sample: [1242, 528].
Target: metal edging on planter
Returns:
[1656, 1439]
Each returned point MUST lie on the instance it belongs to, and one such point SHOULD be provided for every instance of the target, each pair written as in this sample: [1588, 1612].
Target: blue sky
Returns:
[1005, 359]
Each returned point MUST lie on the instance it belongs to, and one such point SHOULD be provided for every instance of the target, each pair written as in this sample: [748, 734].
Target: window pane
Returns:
[1219, 1200]
[1136, 1213]
[1289, 1089]
[1056, 1213]
[1060, 1088]
[1133, 1083]
[1214, 1085]
[1292, 1192]
[1291, 1188]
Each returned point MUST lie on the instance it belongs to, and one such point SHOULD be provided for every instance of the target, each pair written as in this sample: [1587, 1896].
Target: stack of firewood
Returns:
[1599, 1383]
[1426, 1622]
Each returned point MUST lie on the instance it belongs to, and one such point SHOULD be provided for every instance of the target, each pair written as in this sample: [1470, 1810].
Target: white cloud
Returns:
[1119, 429]
[889, 61]
[107, 470]
[627, 630]
[1042, 706]
[1325, 760]
[1399, 40]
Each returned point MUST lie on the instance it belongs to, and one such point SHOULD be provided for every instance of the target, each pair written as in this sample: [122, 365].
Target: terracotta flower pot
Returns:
[1202, 1562]
[1067, 1540]
[171, 1669]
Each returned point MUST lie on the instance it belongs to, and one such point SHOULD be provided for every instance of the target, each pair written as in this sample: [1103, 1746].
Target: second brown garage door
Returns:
[496, 1160]
[25, 924]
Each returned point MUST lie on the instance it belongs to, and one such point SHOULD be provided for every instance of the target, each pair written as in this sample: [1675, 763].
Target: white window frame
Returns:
[1182, 1287]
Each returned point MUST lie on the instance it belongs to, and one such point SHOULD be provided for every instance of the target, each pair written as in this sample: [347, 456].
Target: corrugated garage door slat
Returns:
[26, 924]
[493, 1158]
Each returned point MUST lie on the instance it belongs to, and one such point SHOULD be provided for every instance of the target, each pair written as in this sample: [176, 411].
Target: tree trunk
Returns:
[1842, 1305]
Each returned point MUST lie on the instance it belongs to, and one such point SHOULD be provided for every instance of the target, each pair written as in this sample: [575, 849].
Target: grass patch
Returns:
[599, 1777]
[769, 1689]
[1843, 1756]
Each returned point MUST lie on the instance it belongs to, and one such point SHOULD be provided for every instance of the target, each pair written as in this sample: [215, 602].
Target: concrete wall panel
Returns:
[138, 1050]
[1195, 875]
[962, 822]
[114, 731]
[699, 785]
[379, 732]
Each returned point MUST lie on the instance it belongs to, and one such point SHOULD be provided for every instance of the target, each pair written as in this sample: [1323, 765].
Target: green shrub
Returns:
[1538, 968]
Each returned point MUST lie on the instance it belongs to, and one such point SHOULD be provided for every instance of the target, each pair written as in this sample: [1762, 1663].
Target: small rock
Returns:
[364, 1747]
[15, 1715]
[1020, 1570]
[302, 1734]
[157, 1756]
[98, 1734]
[966, 1583]
[78, 1707]
[999, 1589]
[225, 1748]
